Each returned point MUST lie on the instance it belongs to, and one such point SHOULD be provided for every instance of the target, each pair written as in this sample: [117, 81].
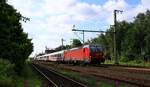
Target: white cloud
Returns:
[52, 20]
[109, 7]
[146, 4]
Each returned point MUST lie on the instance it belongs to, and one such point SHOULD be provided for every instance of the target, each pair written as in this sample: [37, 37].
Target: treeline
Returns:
[14, 43]
[132, 39]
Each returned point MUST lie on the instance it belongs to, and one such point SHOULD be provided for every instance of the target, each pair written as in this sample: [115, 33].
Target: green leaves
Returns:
[14, 43]
[76, 43]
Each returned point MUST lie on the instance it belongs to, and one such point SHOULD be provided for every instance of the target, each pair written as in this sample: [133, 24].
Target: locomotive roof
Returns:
[89, 45]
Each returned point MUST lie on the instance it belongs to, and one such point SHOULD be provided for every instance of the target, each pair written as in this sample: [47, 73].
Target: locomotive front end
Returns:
[96, 54]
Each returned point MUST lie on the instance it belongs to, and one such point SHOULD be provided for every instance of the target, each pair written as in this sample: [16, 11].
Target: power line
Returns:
[78, 36]
[85, 31]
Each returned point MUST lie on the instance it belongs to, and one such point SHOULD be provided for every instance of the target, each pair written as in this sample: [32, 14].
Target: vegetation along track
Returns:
[135, 76]
[55, 79]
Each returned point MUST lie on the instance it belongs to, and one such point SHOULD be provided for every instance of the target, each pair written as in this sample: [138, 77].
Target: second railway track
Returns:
[134, 76]
[55, 79]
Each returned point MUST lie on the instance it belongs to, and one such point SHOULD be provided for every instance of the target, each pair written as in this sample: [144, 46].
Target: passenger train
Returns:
[86, 54]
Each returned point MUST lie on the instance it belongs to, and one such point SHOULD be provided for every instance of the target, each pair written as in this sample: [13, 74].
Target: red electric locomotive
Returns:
[87, 54]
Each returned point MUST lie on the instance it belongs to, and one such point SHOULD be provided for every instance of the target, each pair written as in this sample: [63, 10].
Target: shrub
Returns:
[6, 73]
[7, 82]
[6, 68]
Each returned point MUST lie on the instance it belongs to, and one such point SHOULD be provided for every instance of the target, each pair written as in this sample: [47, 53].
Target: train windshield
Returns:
[96, 49]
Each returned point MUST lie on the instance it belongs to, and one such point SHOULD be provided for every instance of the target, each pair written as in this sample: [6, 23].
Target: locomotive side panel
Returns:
[86, 53]
[76, 54]
[80, 54]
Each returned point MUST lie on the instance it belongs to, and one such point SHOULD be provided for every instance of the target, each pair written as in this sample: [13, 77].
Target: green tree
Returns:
[76, 43]
[14, 43]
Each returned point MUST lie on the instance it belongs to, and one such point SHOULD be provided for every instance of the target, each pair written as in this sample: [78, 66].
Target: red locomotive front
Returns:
[96, 54]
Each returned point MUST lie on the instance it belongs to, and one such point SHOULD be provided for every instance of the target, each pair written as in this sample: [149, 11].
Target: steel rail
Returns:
[62, 81]
[52, 83]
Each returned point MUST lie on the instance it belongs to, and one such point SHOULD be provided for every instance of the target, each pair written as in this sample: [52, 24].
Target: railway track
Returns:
[125, 68]
[131, 75]
[55, 79]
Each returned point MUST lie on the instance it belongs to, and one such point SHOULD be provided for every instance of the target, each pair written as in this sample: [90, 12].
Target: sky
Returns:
[51, 20]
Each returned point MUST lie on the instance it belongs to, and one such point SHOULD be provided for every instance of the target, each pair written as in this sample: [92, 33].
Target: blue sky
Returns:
[133, 2]
[98, 2]
[52, 20]
[101, 2]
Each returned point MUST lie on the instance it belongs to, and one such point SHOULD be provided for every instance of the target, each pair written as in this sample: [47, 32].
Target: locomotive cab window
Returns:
[93, 49]
[96, 49]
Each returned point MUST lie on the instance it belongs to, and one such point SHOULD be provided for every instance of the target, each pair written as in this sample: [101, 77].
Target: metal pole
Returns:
[83, 36]
[62, 43]
[115, 21]
[115, 26]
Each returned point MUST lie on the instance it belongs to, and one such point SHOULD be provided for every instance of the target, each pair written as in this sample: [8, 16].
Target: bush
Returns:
[6, 73]
[129, 57]
[26, 71]
[6, 68]
[123, 59]
[146, 58]
[7, 82]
